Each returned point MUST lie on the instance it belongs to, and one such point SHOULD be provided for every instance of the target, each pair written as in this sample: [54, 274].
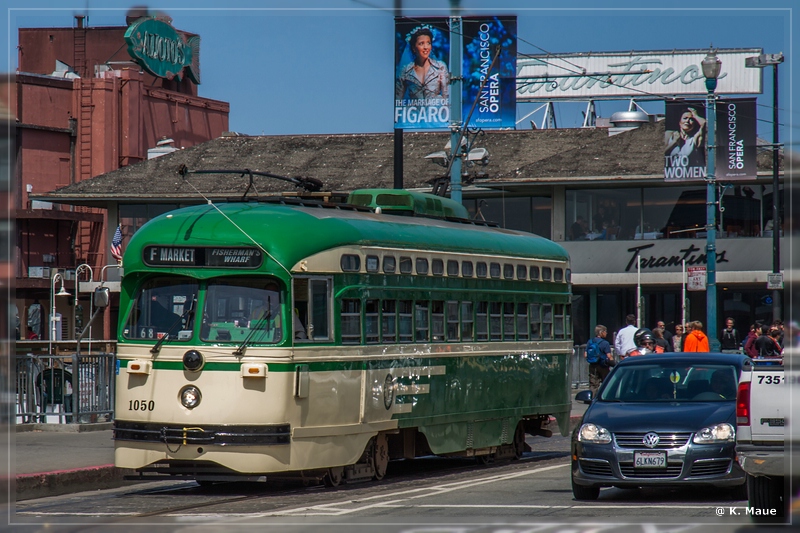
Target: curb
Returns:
[42, 485]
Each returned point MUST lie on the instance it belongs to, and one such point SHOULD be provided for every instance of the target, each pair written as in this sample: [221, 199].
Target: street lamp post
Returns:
[711, 67]
[761, 61]
[63, 292]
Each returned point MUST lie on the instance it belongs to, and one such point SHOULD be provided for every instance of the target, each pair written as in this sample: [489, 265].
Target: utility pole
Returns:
[456, 44]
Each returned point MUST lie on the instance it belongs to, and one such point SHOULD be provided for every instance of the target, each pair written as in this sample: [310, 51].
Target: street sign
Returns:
[775, 281]
[696, 278]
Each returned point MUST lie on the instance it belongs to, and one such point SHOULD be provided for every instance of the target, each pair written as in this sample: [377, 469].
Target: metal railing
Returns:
[578, 368]
[61, 389]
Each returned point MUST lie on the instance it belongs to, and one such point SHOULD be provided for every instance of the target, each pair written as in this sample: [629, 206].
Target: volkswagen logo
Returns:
[650, 439]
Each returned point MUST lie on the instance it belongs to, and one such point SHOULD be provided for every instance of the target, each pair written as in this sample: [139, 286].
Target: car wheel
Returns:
[766, 493]
[582, 493]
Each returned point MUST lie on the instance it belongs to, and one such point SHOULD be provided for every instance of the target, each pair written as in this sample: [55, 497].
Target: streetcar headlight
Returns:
[193, 361]
[190, 397]
[594, 434]
[715, 434]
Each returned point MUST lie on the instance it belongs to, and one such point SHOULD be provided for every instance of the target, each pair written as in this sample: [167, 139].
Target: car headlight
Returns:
[594, 434]
[715, 434]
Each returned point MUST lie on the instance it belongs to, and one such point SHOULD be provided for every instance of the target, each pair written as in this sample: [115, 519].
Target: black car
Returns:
[661, 420]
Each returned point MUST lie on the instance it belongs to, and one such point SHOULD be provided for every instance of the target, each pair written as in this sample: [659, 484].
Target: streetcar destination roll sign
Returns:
[202, 256]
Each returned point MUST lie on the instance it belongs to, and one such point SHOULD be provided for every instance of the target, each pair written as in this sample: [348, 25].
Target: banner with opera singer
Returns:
[422, 73]
[490, 85]
[736, 139]
[685, 140]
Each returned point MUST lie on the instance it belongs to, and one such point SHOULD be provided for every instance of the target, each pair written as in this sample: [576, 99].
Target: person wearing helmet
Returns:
[645, 343]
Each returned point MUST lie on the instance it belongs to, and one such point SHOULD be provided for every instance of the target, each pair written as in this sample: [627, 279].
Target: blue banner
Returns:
[490, 70]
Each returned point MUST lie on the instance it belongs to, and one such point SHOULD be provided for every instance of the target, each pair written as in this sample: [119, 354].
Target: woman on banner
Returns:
[424, 77]
[689, 139]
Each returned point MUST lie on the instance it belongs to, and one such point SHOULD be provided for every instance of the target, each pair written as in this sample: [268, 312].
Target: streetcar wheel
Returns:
[519, 441]
[380, 455]
[334, 476]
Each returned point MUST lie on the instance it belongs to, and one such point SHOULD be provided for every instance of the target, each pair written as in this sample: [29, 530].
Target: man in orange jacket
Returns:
[696, 340]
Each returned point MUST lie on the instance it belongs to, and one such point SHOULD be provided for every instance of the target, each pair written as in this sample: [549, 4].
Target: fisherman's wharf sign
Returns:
[163, 52]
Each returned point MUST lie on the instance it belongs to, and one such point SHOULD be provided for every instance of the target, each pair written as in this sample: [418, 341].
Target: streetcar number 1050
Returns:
[141, 405]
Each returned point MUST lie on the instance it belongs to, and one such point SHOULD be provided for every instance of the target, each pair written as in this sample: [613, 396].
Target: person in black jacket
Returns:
[729, 338]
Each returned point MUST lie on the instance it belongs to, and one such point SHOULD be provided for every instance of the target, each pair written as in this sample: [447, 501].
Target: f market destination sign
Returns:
[159, 49]
[627, 74]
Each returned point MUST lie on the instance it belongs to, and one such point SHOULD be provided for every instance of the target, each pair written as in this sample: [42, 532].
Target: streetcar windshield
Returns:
[162, 307]
[239, 309]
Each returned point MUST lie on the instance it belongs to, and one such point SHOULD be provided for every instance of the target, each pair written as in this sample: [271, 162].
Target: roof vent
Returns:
[163, 147]
[622, 121]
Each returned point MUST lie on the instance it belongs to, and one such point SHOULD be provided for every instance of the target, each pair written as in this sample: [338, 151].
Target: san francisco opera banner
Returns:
[422, 74]
[490, 87]
[736, 139]
[422, 94]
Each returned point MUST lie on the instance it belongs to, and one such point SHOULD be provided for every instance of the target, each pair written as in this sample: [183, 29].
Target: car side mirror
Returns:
[584, 396]
[101, 297]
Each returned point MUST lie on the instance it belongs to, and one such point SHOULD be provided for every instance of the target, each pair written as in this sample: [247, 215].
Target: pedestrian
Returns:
[598, 355]
[624, 343]
[667, 333]
[661, 342]
[767, 343]
[750, 341]
[677, 339]
[35, 319]
[645, 344]
[778, 324]
[696, 340]
[729, 338]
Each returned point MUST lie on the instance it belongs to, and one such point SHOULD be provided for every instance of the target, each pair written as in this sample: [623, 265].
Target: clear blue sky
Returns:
[326, 66]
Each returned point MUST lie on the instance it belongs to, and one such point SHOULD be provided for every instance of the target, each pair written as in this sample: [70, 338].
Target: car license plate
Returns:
[649, 459]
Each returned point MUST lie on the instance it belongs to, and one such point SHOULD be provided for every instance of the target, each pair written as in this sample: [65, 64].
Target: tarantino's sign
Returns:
[183, 256]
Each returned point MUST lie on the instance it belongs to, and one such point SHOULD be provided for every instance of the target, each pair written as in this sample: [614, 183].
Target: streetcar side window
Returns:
[508, 321]
[350, 263]
[558, 275]
[508, 271]
[494, 270]
[536, 321]
[437, 321]
[422, 266]
[559, 328]
[523, 331]
[452, 267]
[547, 321]
[480, 269]
[351, 321]
[522, 272]
[405, 265]
[482, 321]
[495, 321]
[467, 321]
[389, 321]
[437, 267]
[421, 324]
[405, 321]
[319, 313]
[371, 321]
[466, 269]
[389, 264]
[452, 322]
[547, 273]
[372, 263]
[534, 273]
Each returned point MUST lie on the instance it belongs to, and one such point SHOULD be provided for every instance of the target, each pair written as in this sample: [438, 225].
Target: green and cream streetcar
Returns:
[292, 337]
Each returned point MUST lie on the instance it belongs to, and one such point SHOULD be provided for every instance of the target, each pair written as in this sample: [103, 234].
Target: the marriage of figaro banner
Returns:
[422, 72]
[686, 132]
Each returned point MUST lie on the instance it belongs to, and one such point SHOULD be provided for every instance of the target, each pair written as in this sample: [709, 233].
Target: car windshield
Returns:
[668, 382]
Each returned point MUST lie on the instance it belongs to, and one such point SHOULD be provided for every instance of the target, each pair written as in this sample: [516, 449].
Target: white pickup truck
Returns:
[763, 406]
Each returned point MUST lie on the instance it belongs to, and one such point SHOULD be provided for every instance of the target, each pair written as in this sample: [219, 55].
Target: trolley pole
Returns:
[456, 42]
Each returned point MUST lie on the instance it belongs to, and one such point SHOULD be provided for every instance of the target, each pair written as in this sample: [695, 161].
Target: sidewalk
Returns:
[55, 459]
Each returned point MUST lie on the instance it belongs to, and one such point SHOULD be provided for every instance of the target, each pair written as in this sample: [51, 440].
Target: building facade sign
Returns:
[667, 255]
[163, 52]
[632, 74]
